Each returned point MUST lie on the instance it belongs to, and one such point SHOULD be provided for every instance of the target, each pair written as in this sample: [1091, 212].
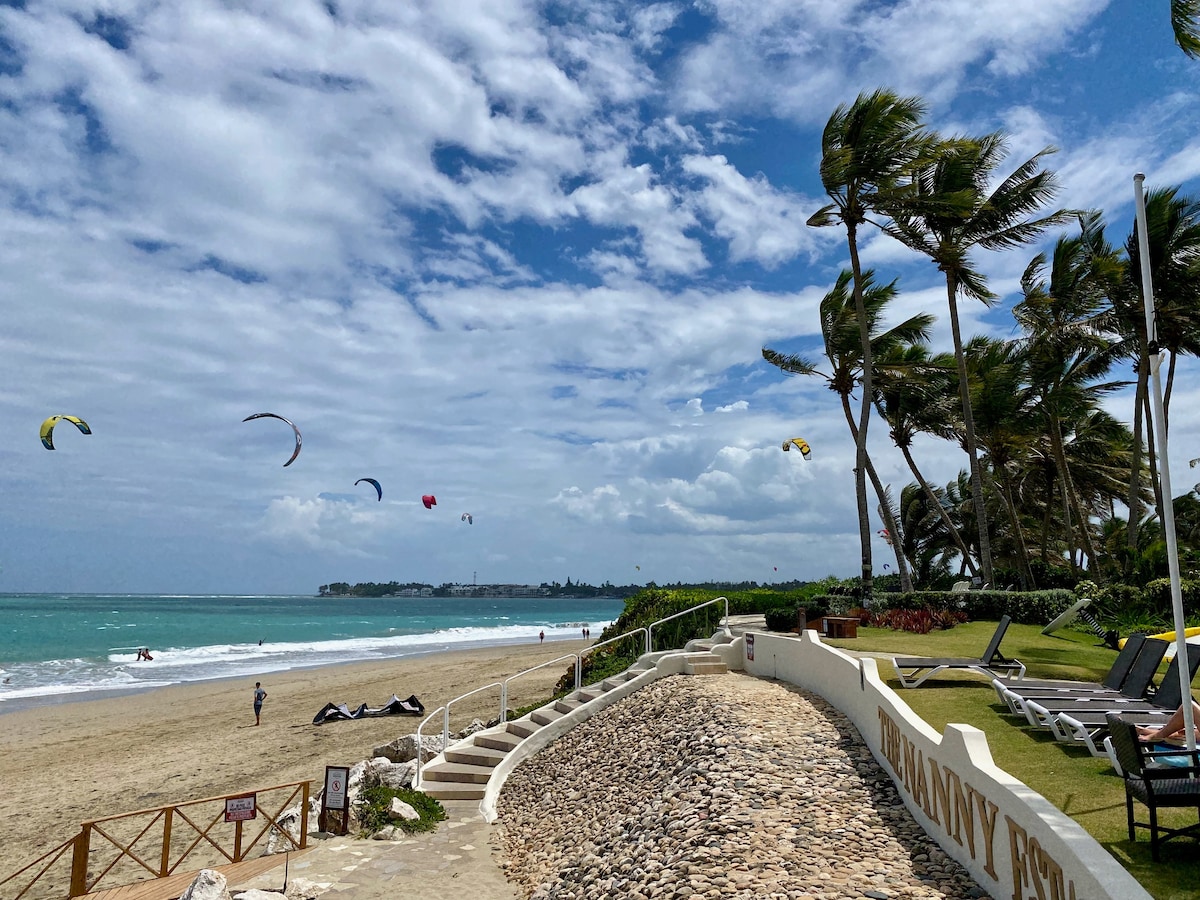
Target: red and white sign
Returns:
[239, 809]
[335, 786]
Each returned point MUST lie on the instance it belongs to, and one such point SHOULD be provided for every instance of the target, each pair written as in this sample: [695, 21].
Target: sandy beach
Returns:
[70, 762]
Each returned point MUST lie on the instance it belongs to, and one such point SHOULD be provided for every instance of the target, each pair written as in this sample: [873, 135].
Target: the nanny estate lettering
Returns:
[969, 818]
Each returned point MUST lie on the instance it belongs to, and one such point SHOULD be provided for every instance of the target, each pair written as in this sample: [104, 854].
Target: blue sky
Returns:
[521, 256]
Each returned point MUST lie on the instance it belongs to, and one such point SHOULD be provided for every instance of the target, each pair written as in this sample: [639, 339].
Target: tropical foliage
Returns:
[1055, 488]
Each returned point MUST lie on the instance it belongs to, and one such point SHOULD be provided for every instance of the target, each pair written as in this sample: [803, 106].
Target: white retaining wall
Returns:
[1011, 839]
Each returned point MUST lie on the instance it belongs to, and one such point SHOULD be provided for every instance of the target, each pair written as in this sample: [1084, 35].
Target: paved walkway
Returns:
[456, 860]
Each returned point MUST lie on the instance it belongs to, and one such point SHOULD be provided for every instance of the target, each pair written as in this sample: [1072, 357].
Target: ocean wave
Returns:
[119, 669]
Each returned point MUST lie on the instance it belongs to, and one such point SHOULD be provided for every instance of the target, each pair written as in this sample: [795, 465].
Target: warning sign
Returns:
[239, 809]
[335, 786]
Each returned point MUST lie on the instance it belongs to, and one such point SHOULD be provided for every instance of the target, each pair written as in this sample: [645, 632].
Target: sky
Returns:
[520, 256]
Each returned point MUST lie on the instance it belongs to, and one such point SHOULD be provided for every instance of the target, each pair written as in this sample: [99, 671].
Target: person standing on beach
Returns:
[259, 696]
[541, 636]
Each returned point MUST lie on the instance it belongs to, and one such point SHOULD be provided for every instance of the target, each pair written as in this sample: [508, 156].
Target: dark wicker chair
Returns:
[1156, 787]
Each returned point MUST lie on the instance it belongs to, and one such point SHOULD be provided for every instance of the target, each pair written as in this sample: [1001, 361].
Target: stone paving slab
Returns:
[456, 860]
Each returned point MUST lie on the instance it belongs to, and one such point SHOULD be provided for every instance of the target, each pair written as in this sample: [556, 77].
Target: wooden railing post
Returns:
[79, 862]
[164, 867]
[304, 813]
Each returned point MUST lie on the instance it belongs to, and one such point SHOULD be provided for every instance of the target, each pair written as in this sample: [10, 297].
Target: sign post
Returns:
[239, 810]
[334, 800]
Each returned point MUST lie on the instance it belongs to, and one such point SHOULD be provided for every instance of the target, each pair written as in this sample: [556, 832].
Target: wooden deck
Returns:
[173, 885]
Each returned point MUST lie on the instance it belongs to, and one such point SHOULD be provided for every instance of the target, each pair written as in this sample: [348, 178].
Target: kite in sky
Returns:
[48, 428]
[800, 444]
[429, 500]
[295, 452]
[468, 518]
[374, 483]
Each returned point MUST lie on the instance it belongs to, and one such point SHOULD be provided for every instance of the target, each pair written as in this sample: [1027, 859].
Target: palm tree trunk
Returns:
[1152, 457]
[860, 438]
[1134, 499]
[964, 390]
[885, 508]
[1167, 395]
[1071, 496]
[937, 504]
[1005, 491]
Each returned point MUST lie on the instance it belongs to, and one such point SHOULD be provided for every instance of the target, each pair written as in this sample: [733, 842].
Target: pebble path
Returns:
[721, 786]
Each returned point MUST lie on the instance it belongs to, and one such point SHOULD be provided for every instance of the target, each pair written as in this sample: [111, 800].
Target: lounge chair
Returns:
[914, 671]
[1091, 708]
[1120, 670]
[1125, 680]
[1086, 722]
[1175, 787]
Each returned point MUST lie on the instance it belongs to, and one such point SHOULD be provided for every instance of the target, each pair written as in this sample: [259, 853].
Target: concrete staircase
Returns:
[462, 772]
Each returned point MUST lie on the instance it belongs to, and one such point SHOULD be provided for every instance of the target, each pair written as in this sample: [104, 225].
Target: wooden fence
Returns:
[155, 843]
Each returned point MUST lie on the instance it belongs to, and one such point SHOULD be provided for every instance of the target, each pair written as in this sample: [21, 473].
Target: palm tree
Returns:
[954, 208]
[1066, 349]
[865, 149]
[1173, 225]
[840, 325]
[1185, 22]
[909, 390]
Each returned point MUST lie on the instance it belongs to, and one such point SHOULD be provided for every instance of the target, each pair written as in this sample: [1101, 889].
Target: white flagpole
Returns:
[1164, 468]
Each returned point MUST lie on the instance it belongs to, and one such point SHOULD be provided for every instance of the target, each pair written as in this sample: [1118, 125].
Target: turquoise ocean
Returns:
[60, 647]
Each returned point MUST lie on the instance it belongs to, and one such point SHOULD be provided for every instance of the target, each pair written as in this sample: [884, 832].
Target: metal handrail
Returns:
[445, 710]
[586, 650]
[549, 662]
[578, 657]
[650, 627]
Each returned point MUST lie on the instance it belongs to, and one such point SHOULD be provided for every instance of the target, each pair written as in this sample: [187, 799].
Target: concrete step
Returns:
[705, 667]
[522, 727]
[452, 790]
[475, 755]
[566, 705]
[461, 772]
[545, 715]
[497, 740]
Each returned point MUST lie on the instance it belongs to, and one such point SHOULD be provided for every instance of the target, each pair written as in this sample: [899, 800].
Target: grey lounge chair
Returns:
[916, 670]
[1120, 670]
[1091, 709]
[1135, 684]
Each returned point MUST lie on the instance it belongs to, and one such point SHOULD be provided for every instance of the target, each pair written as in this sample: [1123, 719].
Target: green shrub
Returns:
[372, 805]
[781, 618]
[1025, 607]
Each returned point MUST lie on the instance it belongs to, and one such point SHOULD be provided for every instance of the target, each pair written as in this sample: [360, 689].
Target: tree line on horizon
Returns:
[1049, 465]
[554, 589]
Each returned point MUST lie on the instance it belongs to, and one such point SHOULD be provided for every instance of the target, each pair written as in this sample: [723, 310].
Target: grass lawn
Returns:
[1085, 788]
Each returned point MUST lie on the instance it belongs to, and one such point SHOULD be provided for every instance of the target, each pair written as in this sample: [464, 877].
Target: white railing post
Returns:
[503, 702]
[446, 728]
[578, 671]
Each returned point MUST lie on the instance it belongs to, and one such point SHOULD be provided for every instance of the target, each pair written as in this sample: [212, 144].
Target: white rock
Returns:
[303, 889]
[256, 894]
[404, 748]
[208, 884]
[401, 810]
[476, 725]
